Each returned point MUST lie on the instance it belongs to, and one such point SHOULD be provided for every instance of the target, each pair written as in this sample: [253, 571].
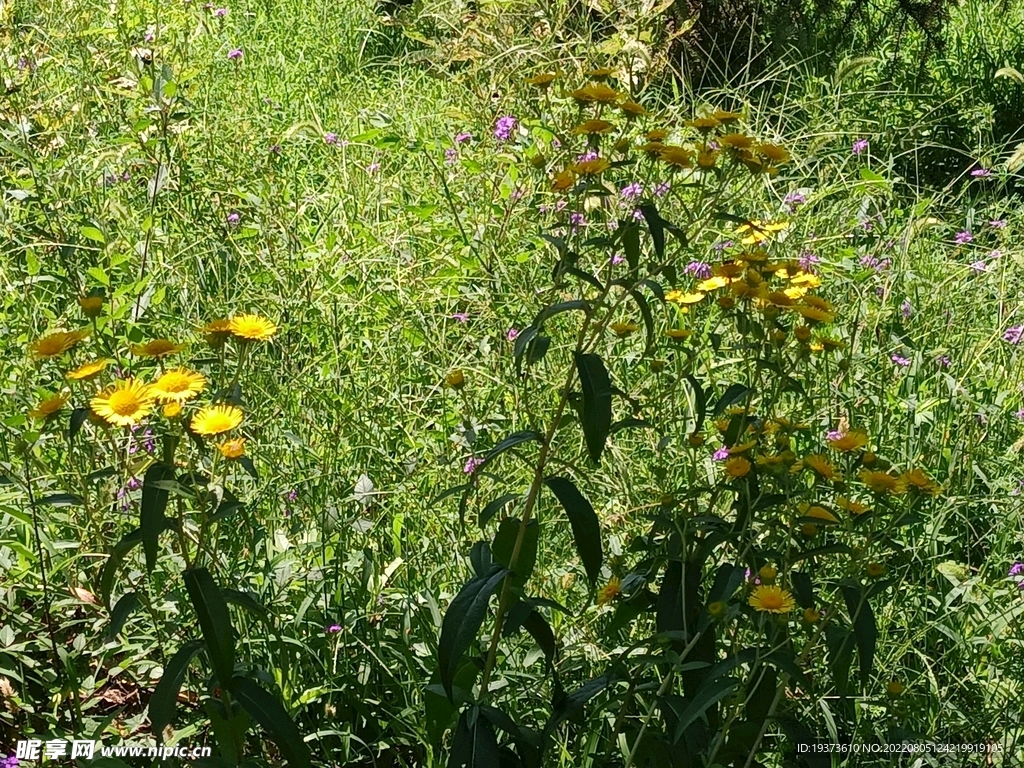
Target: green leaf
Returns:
[78, 417]
[557, 309]
[119, 615]
[517, 438]
[707, 696]
[154, 502]
[462, 622]
[586, 528]
[864, 629]
[586, 277]
[474, 743]
[250, 603]
[61, 500]
[734, 394]
[631, 244]
[573, 703]
[494, 507]
[268, 712]
[700, 400]
[121, 549]
[540, 631]
[629, 423]
[438, 709]
[648, 318]
[214, 621]
[657, 227]
[91, 233]
[163, 702]
[504, 543]
[597, 402]
[804, 589]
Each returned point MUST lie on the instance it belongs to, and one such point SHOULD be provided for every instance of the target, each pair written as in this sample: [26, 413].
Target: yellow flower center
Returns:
[124, 402]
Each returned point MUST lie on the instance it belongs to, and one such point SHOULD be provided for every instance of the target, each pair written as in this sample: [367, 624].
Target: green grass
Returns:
[362, 266]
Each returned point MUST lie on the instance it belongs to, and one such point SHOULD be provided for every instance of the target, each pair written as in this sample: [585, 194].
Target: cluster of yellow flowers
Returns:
[126, 402]
[713, 136]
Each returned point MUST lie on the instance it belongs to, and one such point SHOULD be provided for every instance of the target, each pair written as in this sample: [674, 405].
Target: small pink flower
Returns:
[235, 54]
[512, 334]
[471, 465]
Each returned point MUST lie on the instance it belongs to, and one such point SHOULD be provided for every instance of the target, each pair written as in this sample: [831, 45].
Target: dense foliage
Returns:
[482, 385]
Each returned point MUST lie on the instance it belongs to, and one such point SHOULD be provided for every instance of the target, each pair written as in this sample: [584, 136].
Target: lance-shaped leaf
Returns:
[128, 603]
[268, 712]
[504, 543]
[474, 743]
[494, 507]
[573, 703]
[734, 394]
[864, 629]
[462, 622]
[700, 400]
[708, 695]
[214, 621]
[631, 244]
[165, 696]
[516, 438]
[586, 529]
[154, 503]
[597, 402]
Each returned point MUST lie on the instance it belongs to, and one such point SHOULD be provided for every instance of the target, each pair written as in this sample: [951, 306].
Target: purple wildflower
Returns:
[560, 206]
[723, 244]
[662, 189]
[504, 127]
[233, 218]
[333, 629]
[471, 464]
[943, 361]
[1020, 414]
[900, 361]
[699, 269]
[995, 254]
[1014, 335]
[150, 35]
[22, 63]
[451, 155]
[632, 191]
[616, 259]
[463, 138]
[808, 261]
[235, 54]
[963, 238]
[462, 317]
[587, 156]
[997, 223]
[721, 454]
[512, 334]
[859, 146]
[542, 209]
[220, 12]
[793, 201]
[373, 167]
[638, 215]
[875, 263]
[983, 173]
[906, 309]
[1016, 569]
[293, 494]
[577, 219]
[330, 138]
[834, 434]
[517, 193]
[979, 266]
